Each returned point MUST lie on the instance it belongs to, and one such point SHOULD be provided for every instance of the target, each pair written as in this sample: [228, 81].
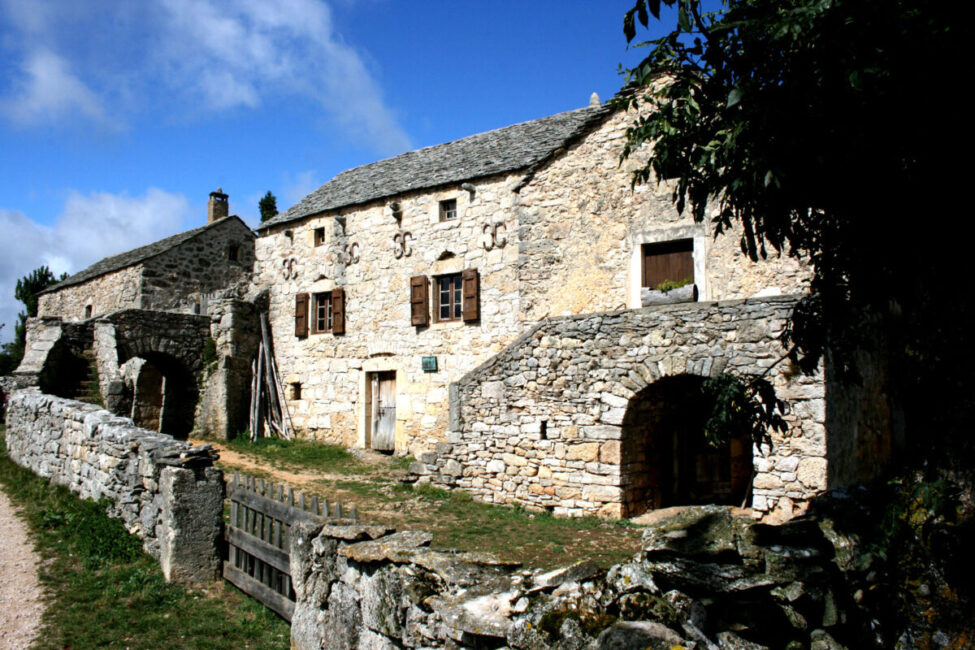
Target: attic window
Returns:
[319, 236]
[233, 252]
[448, 210]
[87, 311]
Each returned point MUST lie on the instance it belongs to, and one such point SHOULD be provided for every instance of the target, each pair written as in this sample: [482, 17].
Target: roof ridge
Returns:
[500, 150]
[136, 255]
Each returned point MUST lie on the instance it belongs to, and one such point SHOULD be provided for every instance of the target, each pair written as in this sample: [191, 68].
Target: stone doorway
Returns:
[665, 458]
[381, 410]
[164, 396]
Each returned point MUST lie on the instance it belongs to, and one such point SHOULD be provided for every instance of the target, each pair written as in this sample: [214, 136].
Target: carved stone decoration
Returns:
[492, 239]
[350, 254]
[401, 244]
[289, 268]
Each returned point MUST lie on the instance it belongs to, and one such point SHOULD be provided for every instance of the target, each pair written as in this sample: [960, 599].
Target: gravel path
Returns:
[21, 596]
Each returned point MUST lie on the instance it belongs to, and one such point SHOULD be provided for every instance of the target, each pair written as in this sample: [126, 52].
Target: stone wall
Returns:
[105, 294]
[199, 271]
[362, 254]
[702, 579]
[582, 226]
[166, 492]
[544, 424]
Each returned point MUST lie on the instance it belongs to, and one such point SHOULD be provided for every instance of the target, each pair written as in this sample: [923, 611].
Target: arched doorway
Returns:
[164, 395]
[665, 458]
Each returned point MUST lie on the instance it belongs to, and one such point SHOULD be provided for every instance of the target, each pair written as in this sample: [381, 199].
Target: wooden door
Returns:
[384, 410]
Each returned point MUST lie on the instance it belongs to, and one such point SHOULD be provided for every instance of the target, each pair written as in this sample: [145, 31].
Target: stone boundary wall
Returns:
[700, 576]
[541, 424]
[165, 491]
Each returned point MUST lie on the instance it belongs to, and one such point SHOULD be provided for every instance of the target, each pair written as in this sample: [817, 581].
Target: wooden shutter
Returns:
[419, 300]
[301, 314]
[338, 311]
[471, 291]
[668, 262]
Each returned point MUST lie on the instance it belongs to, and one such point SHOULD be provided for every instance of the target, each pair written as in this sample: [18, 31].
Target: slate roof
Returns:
[135, 256]
[494, 152]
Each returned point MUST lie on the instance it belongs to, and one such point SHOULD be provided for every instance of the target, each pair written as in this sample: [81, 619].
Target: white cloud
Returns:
[48, 92]
[298, 187]
[89, 228]
[188, 56]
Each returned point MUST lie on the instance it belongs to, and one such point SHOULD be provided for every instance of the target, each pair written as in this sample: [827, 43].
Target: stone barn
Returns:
[150, 331]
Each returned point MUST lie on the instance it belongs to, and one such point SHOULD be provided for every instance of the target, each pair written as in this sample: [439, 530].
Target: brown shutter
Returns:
[471, 290]
[301, 314]
[419, 300]
[338, 311]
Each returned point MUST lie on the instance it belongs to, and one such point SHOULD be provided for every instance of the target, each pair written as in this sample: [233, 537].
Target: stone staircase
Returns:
[88, 389]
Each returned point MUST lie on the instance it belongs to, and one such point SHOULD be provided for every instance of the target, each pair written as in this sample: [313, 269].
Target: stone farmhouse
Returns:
[505, 307]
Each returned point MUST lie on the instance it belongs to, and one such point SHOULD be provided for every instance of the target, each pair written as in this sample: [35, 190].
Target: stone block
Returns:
[585, 452]
[609, 452]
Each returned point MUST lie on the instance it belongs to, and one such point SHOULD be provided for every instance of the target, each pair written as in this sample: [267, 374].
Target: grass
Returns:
[105, 592]
[298, 454]
[371, 484]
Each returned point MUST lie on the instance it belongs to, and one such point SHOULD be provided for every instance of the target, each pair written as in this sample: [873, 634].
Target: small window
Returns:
[322, 313]
[668, 264]
[87, 311]
[319, 236]
[448, 209]
[233, 252]
[449, 297]
[296, 390]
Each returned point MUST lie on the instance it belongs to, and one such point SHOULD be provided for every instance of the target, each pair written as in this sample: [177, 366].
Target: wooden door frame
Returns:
[371, 367]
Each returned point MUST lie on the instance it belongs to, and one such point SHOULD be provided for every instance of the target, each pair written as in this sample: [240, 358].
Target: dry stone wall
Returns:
[542, 424]
[166, 492]
[702, 579]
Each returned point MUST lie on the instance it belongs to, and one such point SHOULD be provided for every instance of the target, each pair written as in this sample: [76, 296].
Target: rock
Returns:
[577, 572]
[692, 531]
[383, 548]
[638, 635]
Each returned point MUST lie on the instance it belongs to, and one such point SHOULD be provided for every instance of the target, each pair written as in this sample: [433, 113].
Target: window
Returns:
[457, 296]
[319, 236]
[233, 252]
[322, 314]
[448, 209]
[449, 297]
[669, 262]
[87, 311]
[296, 390]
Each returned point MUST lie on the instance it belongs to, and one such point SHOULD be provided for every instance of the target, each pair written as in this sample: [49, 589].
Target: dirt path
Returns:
[21, 595]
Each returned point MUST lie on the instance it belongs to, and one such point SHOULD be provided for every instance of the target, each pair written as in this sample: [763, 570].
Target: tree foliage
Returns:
[826, 129]
[268, 205]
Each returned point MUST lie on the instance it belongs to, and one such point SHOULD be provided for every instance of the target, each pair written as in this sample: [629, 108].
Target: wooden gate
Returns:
[261, 515]
[384, 410]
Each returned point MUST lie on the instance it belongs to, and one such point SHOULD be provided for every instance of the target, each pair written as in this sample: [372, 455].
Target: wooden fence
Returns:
[261, 516]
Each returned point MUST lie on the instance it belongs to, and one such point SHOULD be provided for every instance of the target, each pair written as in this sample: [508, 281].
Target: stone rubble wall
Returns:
[582, 225]
[703, 579]
[108, 293]
[166, 492]
[542, 423]
[200, 270]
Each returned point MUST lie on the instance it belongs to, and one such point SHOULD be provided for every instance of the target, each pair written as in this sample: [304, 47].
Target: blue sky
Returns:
[117, 118]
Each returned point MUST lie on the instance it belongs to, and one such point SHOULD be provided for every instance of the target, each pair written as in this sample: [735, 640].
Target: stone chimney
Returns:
[218, 207]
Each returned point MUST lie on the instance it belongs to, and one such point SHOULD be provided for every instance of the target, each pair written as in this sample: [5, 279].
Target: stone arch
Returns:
[665, 459]
[165, 394]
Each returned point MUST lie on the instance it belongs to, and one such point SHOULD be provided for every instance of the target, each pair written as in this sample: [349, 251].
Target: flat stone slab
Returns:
[386, 548]
[356, 532]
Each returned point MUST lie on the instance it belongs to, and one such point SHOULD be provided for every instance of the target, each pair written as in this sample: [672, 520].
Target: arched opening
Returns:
[164, 395]
[665, 458]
